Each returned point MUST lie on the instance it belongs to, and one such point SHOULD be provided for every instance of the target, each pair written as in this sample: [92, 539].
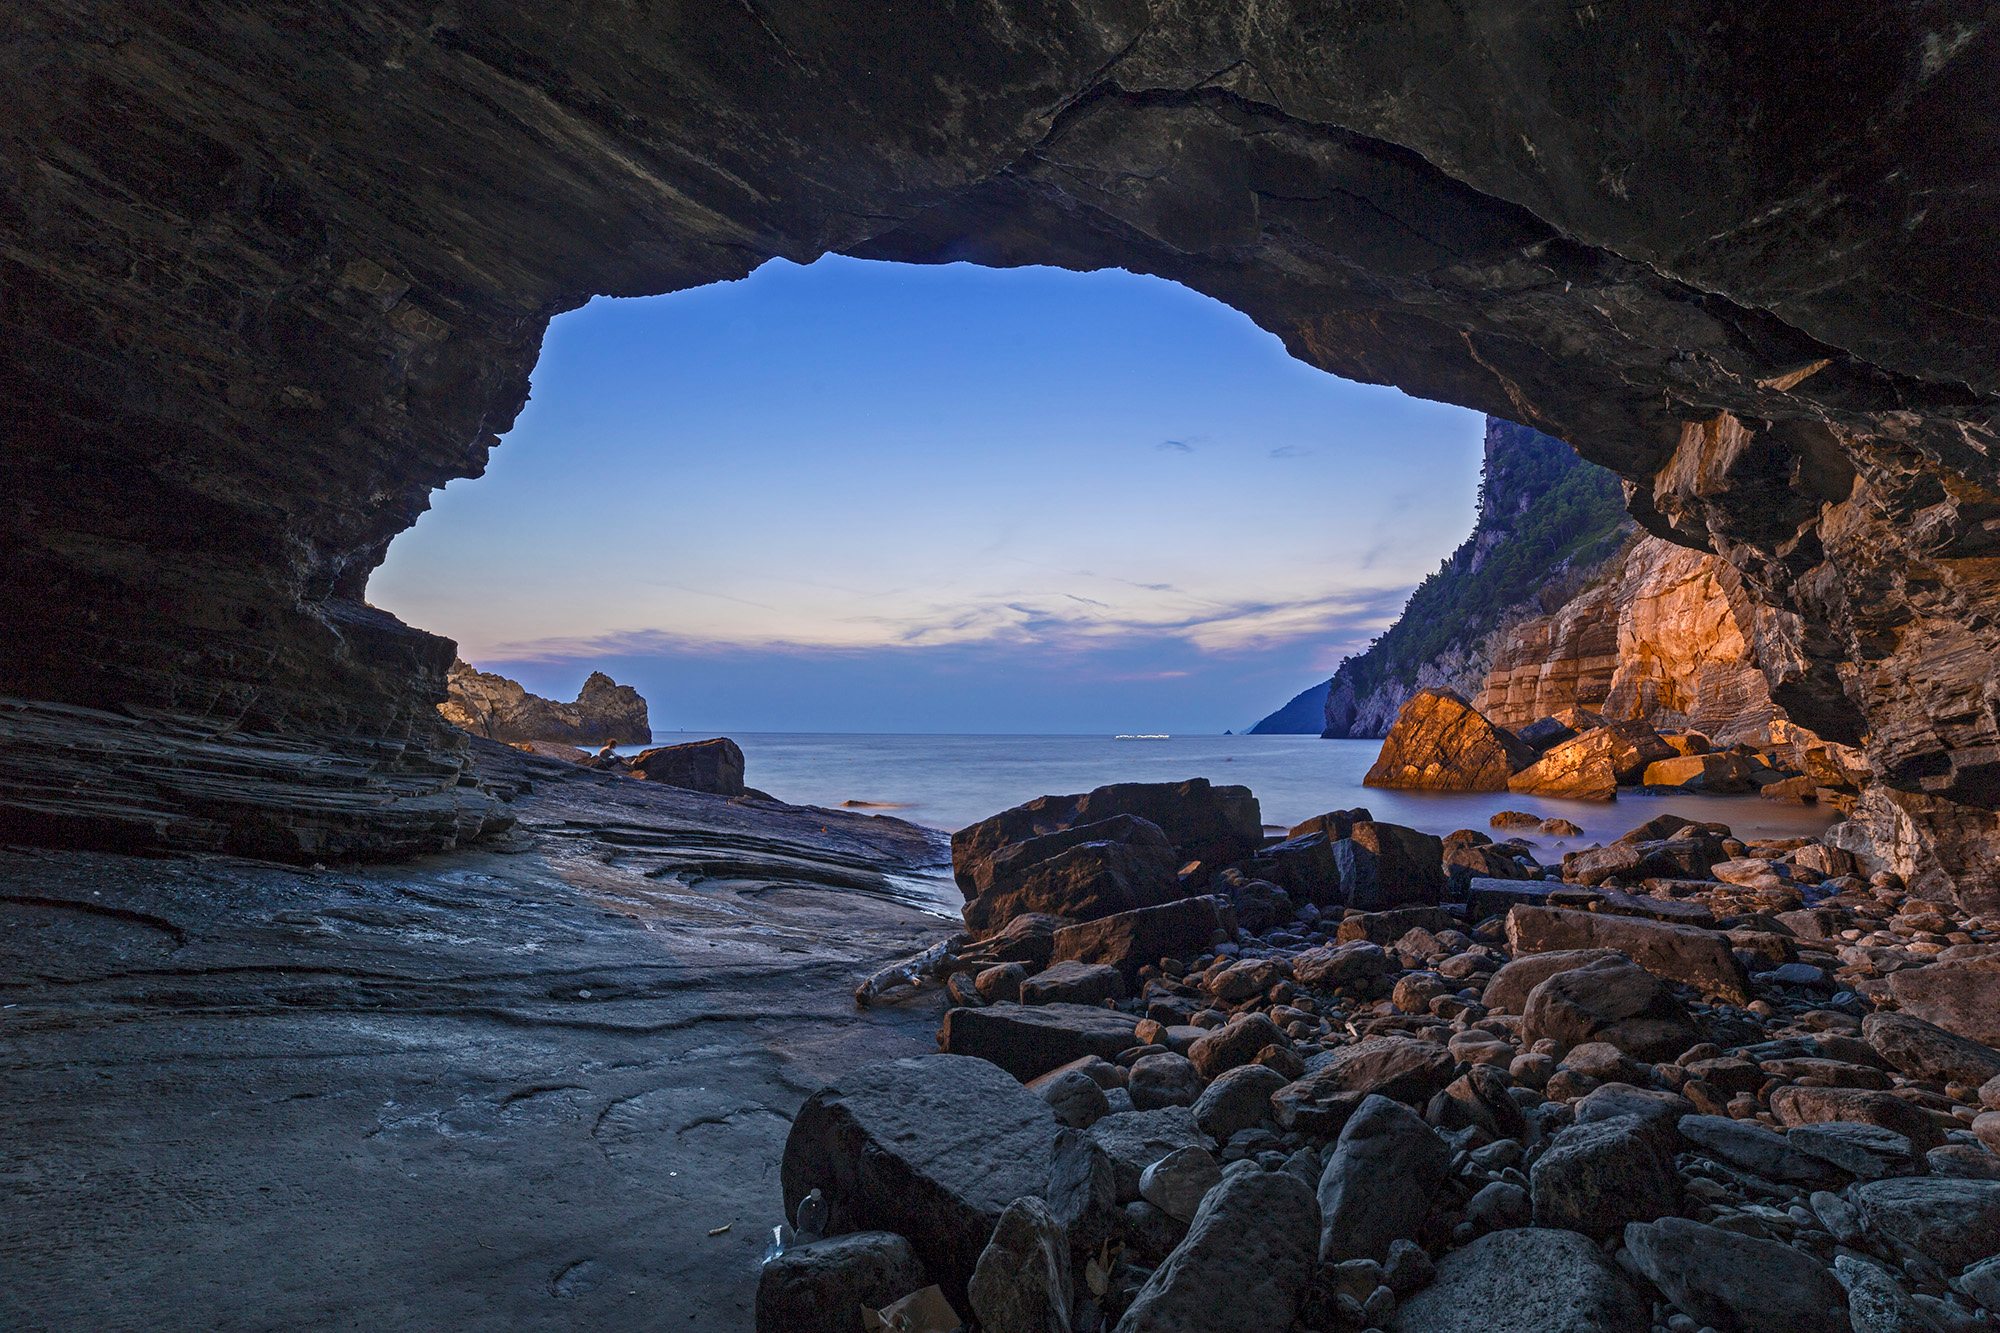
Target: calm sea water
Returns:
[948, 782]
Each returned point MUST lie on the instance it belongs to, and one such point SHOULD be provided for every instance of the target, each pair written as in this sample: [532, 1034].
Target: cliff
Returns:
[490, 705]
[1547, 524]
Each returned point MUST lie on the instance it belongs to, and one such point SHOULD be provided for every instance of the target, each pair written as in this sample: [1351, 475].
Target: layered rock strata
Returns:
[270, 283]
[488, 704]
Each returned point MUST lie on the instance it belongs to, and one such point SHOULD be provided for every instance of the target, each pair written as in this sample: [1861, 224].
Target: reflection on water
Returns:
[951, 781]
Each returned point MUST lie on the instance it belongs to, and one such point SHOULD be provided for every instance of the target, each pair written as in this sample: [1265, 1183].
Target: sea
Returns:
[947, 782]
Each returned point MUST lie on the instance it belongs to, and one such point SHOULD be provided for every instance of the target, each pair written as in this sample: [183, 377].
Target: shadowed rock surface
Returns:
[515, 1086]
[268, 284]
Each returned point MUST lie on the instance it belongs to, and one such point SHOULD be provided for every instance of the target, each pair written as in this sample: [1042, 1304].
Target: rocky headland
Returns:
[1359, 1077]
[488, 704]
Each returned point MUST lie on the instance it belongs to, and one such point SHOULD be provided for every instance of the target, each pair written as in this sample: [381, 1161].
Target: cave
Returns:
[271, 277]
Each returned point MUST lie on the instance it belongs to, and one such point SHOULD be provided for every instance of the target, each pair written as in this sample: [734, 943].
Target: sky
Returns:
[858, 496]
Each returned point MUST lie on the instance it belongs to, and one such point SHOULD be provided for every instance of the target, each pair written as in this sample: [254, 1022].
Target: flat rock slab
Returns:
[932, 1147]
[1734, 1281]
[1028, 1040]
[1695, 957]
[1950, 1222]
[1525, 1280]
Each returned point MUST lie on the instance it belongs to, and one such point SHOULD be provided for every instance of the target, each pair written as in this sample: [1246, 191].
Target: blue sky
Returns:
[879, 497]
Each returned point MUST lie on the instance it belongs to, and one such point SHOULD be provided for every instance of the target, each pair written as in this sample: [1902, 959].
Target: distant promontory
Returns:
[488, 704]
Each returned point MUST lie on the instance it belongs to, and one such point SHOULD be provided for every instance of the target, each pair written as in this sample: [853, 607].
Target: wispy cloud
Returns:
[1175, 446]
[1290, 451]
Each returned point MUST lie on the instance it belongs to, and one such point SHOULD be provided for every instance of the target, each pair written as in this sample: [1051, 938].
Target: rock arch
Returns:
[269, 278]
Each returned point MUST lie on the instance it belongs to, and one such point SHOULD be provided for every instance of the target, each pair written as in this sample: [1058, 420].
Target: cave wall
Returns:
[268, 275]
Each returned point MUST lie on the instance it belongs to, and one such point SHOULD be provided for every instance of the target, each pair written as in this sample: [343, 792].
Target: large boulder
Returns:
[1687, 954]
[1131, 940]
[1728, 1280]
[1594, 1178]
[931, 1147]
[1716, 774]
[1526, 1280]
[1333, 965]
[1387, 927]
[1575, 770]
[1022, 1281]
[1802, 1105]
[1950, 1222]
[1080, 873]
[1612, 1001]
[1439, 742]
[1380, 1181]
[1243, 1266]
[1925, 1050]
[1203, 822]
[1508, 990]
[1028, 1040]
[1386, 865]
[1134, 1140]
[713, 766]
[820, 1287]
[1959, 995]
[1401, 1068]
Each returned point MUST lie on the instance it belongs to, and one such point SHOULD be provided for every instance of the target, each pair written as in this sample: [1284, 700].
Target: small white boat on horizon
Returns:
[1145, 736]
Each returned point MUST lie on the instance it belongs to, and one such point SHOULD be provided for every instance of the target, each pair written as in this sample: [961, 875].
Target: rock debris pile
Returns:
[1359, 1077]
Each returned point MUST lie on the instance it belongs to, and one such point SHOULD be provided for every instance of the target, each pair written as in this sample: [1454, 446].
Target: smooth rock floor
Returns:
[514, 1087]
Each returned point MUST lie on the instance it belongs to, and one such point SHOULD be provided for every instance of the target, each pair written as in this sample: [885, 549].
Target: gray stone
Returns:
[820, 1287]
[1925, 1050]
[1135, 1140]
[1243, 1266]
[1028, 1040]
[1737, 1282]
[1754, 1148]
[1609, 1001]
[1082, 1194]
[1596, 1178]
[1071, 982]
[1239, 1099]
[1981, 1284]
[1075, 1097]
[1687, 954]
[1022, 1281]
[1507, 992]
[1163, 1080]
[932, 1147]
[1380, 1181]
[1950, 1222]
[1523, 1280]
[1235, 1043]
[1499, 1206]
[1867, 1152]
[1178, 1182]
[1876, 1302]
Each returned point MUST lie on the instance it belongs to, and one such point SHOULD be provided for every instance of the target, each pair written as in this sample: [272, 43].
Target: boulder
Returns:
[1028, 940]
[1386, 865]
[1134, 1140]
[1243, 1265]
[931, 1147]
[1236, 1042]
[1380, 1181]
[1401, 1068]
[1715, 774]
[1131, 940]
[1960, 996]
[1022, 1281]
[1507, 992]
[1496, 897]
[1865, 1152]
[1238, 1099]
[1733, 1281]
[1387, 927]
[1030, 1040]
[1525, 1280]
[1077, 874]
[1760, 1151]
[1695, 957]
[1076, 1098]
[1071, 982]
[821, 1286]
[713, 766]
[1202, 822]
[1331, 966]
[1609, 1001]
[1576, 770]
[1335, 824]
[1163, 1080]
[1926, 1051]
[1465, 865]
[1952, 1223]
[1439, 742]
[1797, 1105]
[1595, 1178]
[1178, 1182]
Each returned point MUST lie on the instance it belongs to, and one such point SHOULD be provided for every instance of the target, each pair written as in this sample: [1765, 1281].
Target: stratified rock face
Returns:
[1442, 743]
[269, 283]
[490, 705]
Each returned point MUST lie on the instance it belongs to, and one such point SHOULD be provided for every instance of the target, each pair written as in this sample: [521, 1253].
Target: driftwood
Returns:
[940, 960]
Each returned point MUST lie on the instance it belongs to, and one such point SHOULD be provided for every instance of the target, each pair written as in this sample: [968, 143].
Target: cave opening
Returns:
[870, 496]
